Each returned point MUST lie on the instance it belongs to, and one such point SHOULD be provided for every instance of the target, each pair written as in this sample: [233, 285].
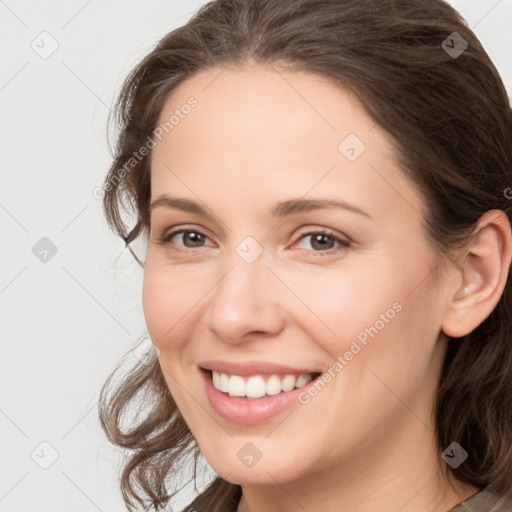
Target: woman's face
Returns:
[268, 281]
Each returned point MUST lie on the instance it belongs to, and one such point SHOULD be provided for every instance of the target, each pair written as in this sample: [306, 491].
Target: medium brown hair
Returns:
[451, 122]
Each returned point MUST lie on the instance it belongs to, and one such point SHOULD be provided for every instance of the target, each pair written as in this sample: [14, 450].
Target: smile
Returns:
[257, 386]
[255, 396]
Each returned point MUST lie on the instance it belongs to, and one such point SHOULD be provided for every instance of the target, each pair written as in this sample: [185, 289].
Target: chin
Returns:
[240, 469]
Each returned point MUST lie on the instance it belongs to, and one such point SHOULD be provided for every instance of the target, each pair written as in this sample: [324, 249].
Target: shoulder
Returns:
[486, 500]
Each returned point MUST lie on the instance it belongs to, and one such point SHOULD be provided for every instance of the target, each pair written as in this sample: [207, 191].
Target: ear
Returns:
[480, 277]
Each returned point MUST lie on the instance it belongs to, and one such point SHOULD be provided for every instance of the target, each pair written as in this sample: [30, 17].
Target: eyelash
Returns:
[343, 243]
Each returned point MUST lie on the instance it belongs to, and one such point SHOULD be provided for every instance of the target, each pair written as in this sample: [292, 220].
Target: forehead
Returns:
[262, 131]
[267, 103]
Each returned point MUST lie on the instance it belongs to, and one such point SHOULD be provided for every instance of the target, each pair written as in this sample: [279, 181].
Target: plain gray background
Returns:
[68, 320]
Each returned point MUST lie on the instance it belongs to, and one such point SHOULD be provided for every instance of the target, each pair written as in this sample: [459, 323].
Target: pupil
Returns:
[321, 240]
[195, 238]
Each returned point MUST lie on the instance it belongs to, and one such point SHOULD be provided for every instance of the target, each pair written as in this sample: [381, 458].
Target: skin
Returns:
[366, 442]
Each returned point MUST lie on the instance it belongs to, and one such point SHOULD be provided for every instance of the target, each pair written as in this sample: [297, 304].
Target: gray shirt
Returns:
[484, 501]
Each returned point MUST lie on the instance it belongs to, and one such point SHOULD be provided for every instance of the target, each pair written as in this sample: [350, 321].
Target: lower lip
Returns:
[249, 412]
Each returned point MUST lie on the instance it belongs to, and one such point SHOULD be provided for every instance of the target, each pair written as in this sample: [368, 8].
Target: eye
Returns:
[323, 242]
[190, 238]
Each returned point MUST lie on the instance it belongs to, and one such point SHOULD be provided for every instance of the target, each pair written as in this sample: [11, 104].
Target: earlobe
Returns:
[481, 275]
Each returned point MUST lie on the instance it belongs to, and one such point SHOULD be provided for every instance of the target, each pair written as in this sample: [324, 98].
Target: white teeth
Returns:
[223, 382]
[288, 383]
[236, 386]
[216, 379]
[302, 380]
[256, 386]
[273, 385]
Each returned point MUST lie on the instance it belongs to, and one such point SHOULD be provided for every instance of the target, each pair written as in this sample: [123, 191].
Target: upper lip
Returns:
[246, 368]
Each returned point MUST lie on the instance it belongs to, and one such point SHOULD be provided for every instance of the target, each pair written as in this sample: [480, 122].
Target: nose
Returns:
[246, 303]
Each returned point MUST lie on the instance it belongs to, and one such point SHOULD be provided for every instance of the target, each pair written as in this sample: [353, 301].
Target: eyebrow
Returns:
[280, 209]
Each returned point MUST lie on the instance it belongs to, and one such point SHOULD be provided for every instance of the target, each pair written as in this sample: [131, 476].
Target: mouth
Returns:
[254, 387]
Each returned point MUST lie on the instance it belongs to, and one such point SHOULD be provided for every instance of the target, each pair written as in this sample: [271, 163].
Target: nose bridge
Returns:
[245, 299]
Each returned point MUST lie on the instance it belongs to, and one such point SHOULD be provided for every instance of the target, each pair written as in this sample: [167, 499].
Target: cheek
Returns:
[168, 296]
[339, 303]
[373, 316]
